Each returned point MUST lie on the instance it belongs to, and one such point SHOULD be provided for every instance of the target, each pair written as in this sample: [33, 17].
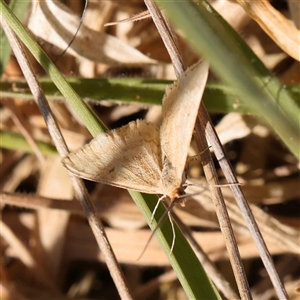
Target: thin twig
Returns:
[167, 36]
[242, 202]
[138, 17]
[222, 214]
[210, 173]
[78, 184]
[221, 283]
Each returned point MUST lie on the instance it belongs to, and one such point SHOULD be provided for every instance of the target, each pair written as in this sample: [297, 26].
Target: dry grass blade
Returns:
[25, 166]
[281, 235]
[59, 26]
[135, 18]
[54, 182]
[78, 184]
[282, 32]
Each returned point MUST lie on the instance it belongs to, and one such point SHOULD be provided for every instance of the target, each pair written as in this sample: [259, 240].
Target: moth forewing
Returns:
[180, 108]
[128, 157]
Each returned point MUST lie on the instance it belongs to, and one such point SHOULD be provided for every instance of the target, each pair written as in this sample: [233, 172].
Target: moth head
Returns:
[177, 195]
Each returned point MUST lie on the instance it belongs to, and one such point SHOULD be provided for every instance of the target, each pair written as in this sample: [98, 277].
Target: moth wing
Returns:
[128, 157]
[180, 108]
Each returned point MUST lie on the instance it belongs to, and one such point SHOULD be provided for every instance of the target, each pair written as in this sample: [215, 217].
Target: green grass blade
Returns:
[126, 90]
[19, 8]
[15, 141]
[218, 97]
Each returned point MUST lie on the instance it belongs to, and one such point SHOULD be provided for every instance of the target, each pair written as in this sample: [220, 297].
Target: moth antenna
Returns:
[194, 157]
[167, 212]
[215, 185]
[75, 34]
[140, 16]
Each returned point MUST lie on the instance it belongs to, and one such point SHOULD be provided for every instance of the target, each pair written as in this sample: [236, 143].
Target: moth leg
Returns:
[173, 231]
[155, 208]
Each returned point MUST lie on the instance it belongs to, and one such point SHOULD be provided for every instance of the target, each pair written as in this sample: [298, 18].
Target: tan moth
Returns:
[141, 157]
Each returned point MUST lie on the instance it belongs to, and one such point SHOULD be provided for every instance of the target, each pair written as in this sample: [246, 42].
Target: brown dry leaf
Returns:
[284, 237]
[60, 25]
[282, 32]
[271, 229]
[8, 291]
[119, 211]
[75, 139]
[235, 126]
[95, 21]
[294, 8]
[54, 182]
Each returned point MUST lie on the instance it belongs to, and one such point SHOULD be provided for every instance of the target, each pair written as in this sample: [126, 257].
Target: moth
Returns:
[141, 157]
